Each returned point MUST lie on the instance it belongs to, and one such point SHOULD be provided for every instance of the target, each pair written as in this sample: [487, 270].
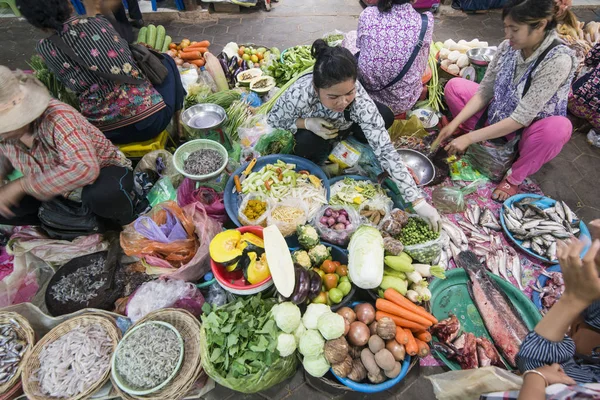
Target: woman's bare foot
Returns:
[504, 190]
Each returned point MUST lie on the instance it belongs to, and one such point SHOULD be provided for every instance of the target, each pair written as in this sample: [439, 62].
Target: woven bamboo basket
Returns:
[191, 368]
[25, 332]
[32, 388]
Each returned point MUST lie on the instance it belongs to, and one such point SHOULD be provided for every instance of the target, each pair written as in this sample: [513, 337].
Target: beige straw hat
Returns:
[22, 99]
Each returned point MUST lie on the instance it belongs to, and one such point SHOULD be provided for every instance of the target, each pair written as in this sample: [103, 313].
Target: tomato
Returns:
[335, 295]
[320, 272]
[341, 270]
[331, 281]
[328, 266]
[337, 263]
[321, 298]
[241, 51]
[345, 287]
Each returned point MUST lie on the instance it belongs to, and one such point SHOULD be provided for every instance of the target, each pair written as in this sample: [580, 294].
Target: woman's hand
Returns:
[555, 374]
[321, 128]
[446, 132]
[428, 213]
[10, 195]
[459, 145]
[582, 283]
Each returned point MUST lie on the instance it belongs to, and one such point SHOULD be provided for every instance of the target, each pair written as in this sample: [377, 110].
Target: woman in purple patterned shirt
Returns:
[387, 36]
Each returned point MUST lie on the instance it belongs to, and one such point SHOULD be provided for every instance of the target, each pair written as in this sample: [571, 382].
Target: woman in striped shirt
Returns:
[124, 112]
[548, 343]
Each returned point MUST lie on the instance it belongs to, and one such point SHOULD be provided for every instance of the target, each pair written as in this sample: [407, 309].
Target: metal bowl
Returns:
[201, 118]
[481, 56]
[421, 165]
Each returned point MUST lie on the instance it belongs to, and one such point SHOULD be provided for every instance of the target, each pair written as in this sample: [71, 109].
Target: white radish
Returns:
[463, 61]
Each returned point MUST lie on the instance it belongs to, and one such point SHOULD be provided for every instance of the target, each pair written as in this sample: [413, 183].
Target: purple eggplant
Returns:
[302, 285]
[315, 285]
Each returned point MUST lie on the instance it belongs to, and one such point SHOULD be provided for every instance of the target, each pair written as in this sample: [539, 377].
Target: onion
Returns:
[323, 220]
[344, 213]
[365, 313]
[328, 212]
[330, 221]
[349, 227]
[335, 214]
[342, 219]
[359, 334]
[339, 227]
[347, 313]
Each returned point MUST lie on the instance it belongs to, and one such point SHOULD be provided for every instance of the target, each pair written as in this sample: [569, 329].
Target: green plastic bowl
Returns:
[120, 381]
[184, 151]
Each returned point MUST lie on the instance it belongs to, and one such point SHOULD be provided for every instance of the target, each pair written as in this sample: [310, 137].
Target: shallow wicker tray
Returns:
[191, 368]
[31, 387]
[25, 331]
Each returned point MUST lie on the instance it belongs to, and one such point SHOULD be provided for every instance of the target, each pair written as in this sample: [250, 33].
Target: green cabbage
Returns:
[312, 314]
[365, 258]
[316, 366]
[299, 332]
[311, 343]
[286, 344]
[287, 316]
[331, 325]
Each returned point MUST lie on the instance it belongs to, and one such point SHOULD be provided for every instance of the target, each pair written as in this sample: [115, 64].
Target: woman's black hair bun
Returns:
[319, 48]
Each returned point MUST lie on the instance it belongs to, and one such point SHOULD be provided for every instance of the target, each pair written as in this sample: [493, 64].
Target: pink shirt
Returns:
[386, 41]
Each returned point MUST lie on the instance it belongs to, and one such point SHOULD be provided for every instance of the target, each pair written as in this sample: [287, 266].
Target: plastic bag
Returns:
[164, 293]
[380, 204]
[451, 199]
[427, 252]
[331, 235]
[250, 136]
[189, 77]
[279, 141]
[23, 283]
[408, 127]
[287, 224]
[492, 160]
[261, 220]
[209, 197]
[593, 138]
[335, 38]
[206, 79]
[470, 384]
[176, 253]
[162, 191]
[345, 154]
[160, 162]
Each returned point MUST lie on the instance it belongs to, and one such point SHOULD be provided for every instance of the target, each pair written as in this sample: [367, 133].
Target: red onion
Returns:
[339, 227]
[342, 218]
[328, 212]
[331, 221]
[324, 220]
[335, 214]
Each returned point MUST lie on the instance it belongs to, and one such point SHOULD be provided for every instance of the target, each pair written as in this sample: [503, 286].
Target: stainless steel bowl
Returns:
[201, 118]
[421, 165]
[481, 56]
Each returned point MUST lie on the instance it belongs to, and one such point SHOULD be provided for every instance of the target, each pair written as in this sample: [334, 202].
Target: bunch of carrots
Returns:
[412, 321]
[189, 52]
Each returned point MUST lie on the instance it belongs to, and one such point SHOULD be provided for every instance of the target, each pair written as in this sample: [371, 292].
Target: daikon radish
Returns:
[463, 61]
[444, 53]
[453, 56]
[449, 43]
[446, 63]
[453, 69]
[462, 42]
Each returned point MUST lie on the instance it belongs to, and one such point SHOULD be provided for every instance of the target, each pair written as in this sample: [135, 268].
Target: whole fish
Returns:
[515, 264]
[502, 262]
[476, 213]
[468, 226]
[505, 325]
[559, 210]
[491, 260]
[569, 215]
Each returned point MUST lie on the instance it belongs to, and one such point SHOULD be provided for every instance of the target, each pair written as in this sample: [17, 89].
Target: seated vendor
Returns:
[533, 57]
[585, 99]
[87, 55]
[330, 104]
[59, 153]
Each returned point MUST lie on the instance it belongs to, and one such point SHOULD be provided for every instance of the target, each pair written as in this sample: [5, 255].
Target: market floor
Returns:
[569, 177]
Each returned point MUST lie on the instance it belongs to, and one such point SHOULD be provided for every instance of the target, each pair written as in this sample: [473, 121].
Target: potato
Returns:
[375, 344]
[385, 360]
[368, 360]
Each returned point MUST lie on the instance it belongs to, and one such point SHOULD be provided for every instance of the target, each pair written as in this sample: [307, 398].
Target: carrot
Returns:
[401, 336]
[411, 347]
[192, 55]
[423, 348]
[395, 297]
[392, 308]
[401, 322]
[238, 185]
[204, 43]
[423, 335]
[198, 63]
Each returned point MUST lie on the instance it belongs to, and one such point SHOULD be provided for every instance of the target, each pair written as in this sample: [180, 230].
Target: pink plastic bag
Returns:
[211, 199]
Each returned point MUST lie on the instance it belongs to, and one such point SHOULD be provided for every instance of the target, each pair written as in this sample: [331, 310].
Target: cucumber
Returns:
[143, 35]
[160, 37]
[168, 41]
[151, 41]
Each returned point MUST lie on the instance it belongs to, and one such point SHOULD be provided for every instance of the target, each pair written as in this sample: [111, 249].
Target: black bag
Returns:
[148, 61]
[65, 219]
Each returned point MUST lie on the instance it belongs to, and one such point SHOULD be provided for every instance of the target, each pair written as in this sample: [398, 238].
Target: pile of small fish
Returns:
[470, 351]
[82, 285]
[74, 362]
[552, 290]
[12, 348]
[538, 228]
[481, 227]
[148, 356]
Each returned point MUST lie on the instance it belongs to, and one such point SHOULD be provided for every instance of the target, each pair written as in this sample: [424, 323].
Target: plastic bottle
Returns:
[205, 79]
[593, 138]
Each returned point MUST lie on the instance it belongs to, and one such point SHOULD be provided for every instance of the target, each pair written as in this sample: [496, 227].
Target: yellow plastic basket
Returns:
[140, 149]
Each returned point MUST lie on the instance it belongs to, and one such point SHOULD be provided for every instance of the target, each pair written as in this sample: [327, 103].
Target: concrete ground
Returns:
[569, 177]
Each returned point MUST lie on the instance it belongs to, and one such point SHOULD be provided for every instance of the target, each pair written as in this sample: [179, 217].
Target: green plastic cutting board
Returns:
[450, 296]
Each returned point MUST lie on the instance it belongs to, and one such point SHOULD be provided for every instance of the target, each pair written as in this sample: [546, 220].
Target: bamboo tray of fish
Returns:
[534, 223]
[17, 339]
[483, 319]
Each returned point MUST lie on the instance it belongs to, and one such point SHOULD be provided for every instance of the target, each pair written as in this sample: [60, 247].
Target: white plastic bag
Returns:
[249, 136]
[262, 219]
[381, 204]
[470, 384]
[287, 226]
[340, 237]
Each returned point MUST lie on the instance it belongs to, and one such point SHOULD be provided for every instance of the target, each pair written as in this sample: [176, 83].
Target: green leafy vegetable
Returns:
[295, 61]
[311, 343]
[287, 316]
[286, 344]
[316, 366]
[331, 325]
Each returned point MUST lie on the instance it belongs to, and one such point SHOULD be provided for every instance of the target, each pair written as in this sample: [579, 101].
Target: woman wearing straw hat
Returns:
[59, 153]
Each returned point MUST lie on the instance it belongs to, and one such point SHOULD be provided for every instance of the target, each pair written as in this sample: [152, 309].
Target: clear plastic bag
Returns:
[250, 136]
[593, 138]
[161, 163]
[261, 220]
[374, 211]
[340, 237]
[335, 38]
[451, 199]
[470, 384]
[297, 214]
[427, 252]
[491, 159]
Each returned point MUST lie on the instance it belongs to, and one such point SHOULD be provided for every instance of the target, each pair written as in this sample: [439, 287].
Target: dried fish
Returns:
[12, 350]
[82, 285]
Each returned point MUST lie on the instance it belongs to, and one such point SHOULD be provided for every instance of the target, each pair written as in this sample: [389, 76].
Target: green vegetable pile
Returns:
[416, 231]
[199, 94]
[351, 192]
[295, 61]
[239, 345]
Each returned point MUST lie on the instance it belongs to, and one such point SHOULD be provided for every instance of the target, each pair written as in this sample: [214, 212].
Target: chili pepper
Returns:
[238, 185]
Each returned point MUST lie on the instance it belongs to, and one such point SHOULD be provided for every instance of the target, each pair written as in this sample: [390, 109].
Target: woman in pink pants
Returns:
[524, 92]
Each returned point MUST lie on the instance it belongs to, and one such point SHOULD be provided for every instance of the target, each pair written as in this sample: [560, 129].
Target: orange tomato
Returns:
[330, 281]
[241, 51]
[260, 56]
[341, 270]
[328, 267]
[337, 263]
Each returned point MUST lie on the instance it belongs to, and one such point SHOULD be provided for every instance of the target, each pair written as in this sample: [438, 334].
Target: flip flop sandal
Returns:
[507, 188]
